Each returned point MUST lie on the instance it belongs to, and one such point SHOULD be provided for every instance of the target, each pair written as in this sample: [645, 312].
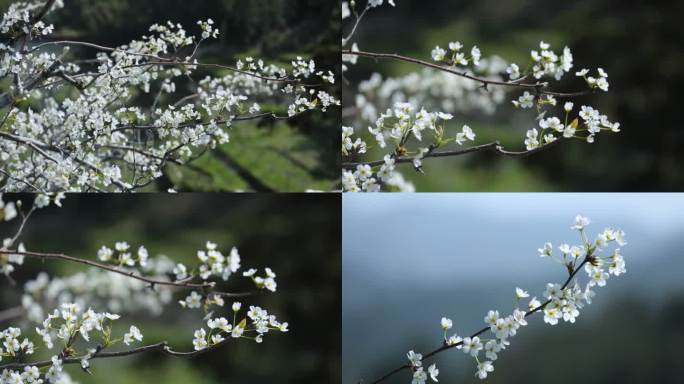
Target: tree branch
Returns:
[494, 146]
[538, 88]
[162, 346]
[182, 284]
[445, 346]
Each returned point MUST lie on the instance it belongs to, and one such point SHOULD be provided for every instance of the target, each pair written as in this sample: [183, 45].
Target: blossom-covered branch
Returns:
[494, 147]
[161, 347]
[537, 87]
[403, 113]
[112, 122]
[186, 283]
[119, 281]
[562, 301]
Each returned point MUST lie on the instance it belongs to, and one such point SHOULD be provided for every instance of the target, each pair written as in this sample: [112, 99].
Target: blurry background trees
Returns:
[640, 45]
[298, 236]
[291, 155]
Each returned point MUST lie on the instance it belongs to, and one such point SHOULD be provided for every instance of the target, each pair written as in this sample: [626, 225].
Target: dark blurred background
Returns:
[298, 236]
[292, 155]
[409, 259]
[638, 43]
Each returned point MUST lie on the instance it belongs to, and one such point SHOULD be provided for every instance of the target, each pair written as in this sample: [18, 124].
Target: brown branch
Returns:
[268, 115]
[162, 346]
[539, 88]
[494, 147]
[182, 284]
[218, 66]
[164, 61]
[445, 346]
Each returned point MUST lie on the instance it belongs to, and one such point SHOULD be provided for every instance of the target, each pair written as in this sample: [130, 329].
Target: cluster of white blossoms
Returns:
[561, 301]
[585, 127]
[260, 322]
[262, 282]
[544, 63]
[362, 178]
[397, 125]
[456, 55]
[69, 326]
[213, 262]
[11, 347]
[75, 125]
[458, 81]
[11, 344]
[548, 63]
[63, 327]
[600, 82]
[122, 255]
[419, 375]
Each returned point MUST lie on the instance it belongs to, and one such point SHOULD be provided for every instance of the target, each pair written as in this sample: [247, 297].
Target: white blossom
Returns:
[132, 334]
[483, 369]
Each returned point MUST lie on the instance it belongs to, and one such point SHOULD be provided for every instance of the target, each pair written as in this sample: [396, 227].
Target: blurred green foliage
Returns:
[275, 30]
[268, 159]
[296, 235]
[638, 43]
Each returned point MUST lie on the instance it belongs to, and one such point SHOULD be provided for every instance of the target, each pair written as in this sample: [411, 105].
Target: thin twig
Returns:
[43, 11]
[20, 230]
[346, 40]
